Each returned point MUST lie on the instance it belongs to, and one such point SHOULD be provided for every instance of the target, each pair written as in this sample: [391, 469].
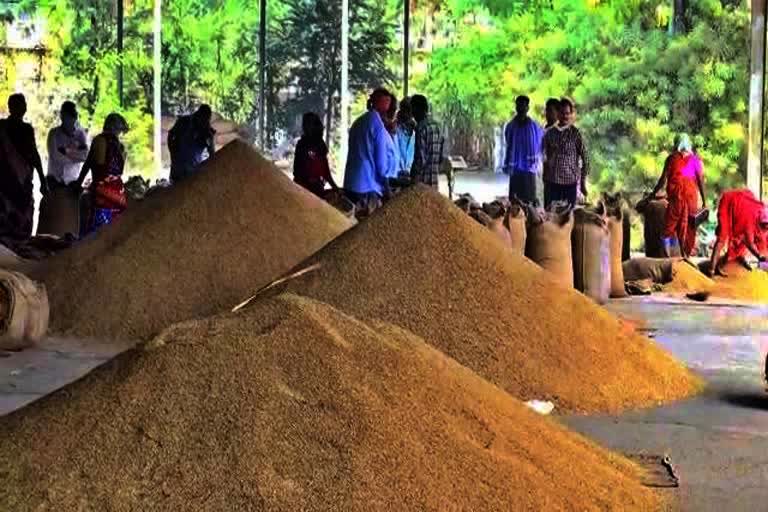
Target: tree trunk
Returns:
[678, 17]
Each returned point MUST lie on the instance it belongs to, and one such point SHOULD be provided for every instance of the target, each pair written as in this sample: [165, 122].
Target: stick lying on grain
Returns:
[275, 283]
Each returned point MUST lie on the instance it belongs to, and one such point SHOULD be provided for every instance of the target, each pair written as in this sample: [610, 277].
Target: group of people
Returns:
[388, 144]
[556, 152]
[742, 219]
[71, 159]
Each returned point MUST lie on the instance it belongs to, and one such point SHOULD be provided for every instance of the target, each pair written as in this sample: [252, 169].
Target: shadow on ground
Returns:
[757, 401]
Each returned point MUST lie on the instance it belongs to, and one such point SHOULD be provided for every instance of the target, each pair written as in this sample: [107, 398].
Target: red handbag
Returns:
[110, 193]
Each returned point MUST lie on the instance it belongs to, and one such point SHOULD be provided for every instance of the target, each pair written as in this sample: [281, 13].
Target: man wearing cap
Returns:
[742, 223]
[67, 148]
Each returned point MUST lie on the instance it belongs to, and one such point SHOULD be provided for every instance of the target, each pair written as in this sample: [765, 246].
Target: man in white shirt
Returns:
[67, 147]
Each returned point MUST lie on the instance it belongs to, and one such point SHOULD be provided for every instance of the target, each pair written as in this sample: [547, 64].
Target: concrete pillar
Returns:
[756, 98]
[344, 84]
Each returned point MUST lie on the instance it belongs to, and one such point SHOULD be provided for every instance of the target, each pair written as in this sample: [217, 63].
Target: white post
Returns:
[344, 83]
[756, 99]
[157, 87]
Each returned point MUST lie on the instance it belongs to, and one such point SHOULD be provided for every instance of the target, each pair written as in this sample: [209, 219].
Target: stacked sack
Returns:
[654, 210]
[504, 218]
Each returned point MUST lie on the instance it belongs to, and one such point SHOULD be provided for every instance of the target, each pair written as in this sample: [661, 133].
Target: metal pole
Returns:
[262, 71]
[756, 98]
[406, 44]
[157, 69]
[120, 16]
[344, 83]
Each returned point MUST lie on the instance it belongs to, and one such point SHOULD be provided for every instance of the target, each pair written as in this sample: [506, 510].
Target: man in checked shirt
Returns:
[428, 151]
[566, 162]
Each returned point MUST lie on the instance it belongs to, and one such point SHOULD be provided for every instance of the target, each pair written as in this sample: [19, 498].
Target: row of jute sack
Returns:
[579, 247]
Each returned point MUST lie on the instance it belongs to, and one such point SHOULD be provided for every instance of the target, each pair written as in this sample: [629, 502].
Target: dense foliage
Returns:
[639, 71]
[636, 80]
[81, 63]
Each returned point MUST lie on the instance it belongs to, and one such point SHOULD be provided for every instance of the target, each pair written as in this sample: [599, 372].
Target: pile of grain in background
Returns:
[189, 251]
[688, 278]
[293, 405]
[742, 284]
[422, 264]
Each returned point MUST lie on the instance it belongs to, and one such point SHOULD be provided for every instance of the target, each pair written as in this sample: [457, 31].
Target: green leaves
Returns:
[634, 85]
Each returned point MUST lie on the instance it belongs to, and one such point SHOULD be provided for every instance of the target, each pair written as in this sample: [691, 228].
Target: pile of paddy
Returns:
[742, 284]
[293, 405]
[686, 277]
[423, 265]
[189, 251]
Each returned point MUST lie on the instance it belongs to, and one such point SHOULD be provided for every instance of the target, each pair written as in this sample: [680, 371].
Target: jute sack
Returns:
[24, 311]
[626, 223]
[619, 233]
[591, 255]
[59, 213]
[654, 212]
[659, 270]
[516, 220]
[499, 227]
[548, 244]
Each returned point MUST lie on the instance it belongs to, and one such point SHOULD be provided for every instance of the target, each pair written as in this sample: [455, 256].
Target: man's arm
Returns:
[662, 179]
[419, 155]
[508, 150]
[80, 153]
[54, 156]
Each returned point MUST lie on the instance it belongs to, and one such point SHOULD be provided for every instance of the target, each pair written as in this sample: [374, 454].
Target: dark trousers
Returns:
[554, 193]
[522, 185]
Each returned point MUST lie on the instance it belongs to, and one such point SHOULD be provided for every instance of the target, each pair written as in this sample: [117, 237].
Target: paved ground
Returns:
[717, 441]
[33, 373]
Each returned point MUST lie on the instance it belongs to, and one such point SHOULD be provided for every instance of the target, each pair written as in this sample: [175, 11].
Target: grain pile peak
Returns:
[422, 264]
[189, 251]
[293, 405]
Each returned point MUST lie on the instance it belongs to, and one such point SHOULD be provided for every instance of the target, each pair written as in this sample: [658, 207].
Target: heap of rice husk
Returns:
[190, 250]
[295, 406]
[422, 264]
[687, 278]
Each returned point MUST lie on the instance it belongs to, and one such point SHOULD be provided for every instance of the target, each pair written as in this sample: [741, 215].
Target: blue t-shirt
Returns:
[368, 159]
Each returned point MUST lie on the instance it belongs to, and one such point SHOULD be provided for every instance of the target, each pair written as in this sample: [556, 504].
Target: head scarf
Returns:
[684, 143]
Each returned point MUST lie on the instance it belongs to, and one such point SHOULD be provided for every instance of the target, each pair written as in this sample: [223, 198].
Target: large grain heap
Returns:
[189, 251]
[295, 406]
[425, 266]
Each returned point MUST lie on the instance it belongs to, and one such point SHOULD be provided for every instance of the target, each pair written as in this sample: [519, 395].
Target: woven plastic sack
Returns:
[548, 244]
[24, 311]
[591, 255]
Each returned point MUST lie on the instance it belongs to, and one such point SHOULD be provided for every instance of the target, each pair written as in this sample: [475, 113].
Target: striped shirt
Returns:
[428, 154]
[566, 156]
[523, 138]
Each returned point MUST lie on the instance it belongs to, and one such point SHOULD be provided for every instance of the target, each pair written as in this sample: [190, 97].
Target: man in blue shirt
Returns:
[368, 158]
[523, 136]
